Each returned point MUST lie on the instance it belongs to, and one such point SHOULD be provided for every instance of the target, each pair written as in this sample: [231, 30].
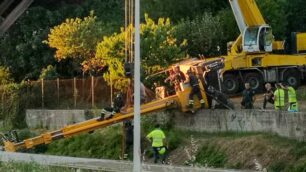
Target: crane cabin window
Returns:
[250, 36]
[268, 36]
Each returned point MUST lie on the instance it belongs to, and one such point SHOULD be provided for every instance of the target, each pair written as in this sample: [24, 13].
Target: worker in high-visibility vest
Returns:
[293, 105]
[279, 97]
[158, 140]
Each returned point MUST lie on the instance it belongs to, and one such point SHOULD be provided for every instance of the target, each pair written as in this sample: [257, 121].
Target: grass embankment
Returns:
[224, 150]
[242, 151]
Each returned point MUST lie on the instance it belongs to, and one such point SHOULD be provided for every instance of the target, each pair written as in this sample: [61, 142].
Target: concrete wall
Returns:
[55, 119]
[291, 125]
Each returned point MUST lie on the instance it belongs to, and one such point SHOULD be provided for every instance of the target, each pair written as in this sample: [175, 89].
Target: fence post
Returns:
[83, 91]
[92, 92]
[75, 92]
[42, 94]
[111, 91]
[57, 84]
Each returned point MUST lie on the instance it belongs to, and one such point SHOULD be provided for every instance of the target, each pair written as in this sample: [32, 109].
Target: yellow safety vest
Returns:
[157, 137]
[291, 95]
[279, 98]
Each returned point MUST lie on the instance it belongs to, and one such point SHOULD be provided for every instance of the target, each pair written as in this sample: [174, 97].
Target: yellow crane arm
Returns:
[251, 13]
[87, 126]
[246, 14]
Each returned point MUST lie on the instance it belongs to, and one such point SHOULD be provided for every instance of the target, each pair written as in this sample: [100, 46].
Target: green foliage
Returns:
[174, 139]
[229, 28]
[13, 103]
[100, 144]
[159, 46]
[203, 34]
[296, 16]
[277, 166]
[77, 39]
[5, 76]
[22, 50]
[274, 13]
[299, 167]
[48, 73]
[212, 156]
[176, 10]
[159, 49]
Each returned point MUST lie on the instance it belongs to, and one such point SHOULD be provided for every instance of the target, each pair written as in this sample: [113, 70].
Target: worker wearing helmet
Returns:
[293, 105]
[195, 89]
[108, 112]
[158, 139]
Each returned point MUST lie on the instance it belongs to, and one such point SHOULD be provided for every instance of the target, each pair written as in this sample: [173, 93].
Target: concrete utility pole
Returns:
[137, 150]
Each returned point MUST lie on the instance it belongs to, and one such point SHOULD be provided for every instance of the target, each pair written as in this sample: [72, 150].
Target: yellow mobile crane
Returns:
[179, 100]
[255, 56]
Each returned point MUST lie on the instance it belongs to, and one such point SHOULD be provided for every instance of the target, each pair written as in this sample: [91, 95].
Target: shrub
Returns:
[105, 143]
[209, 155]
[48, 73]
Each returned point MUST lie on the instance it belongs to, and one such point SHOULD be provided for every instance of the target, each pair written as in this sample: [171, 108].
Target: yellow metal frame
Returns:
[301, 42]
[180, 100]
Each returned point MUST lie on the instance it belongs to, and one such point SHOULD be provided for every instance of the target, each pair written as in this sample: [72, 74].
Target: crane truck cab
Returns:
[255, 57]
[257, 39]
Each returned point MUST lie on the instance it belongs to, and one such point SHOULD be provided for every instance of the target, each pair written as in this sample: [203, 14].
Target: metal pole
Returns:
[137, 150]
[92, 92]
[74, 92]
[42, 94]
[111, 89]
[57, 81]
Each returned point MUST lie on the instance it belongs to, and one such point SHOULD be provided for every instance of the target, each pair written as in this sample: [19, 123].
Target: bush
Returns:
[5, 76]
[48, 73]
[105, 143]
[203, 33]
[209, 155]
[277, 166]
[13, 104]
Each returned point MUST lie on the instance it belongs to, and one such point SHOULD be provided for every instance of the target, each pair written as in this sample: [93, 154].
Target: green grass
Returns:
[30, 167]
[104, 143]
[211, 156]
[213, 148]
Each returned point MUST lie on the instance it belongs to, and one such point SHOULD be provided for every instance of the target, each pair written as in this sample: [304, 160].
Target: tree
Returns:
[48, 73]
[296, 16]
[5, 76]
[159, 48]
[176, 10]
[22, 50]
[229, 28]
[76, 39]
[203, 34]
[274, 13]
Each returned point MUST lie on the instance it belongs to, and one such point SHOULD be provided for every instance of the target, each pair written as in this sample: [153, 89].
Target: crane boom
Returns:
[246, 12]
[87, 126]
[256, 34]
[179, 101]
